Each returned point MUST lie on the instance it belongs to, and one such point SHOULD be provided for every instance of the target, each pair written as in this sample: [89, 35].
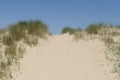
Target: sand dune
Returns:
[62, 58]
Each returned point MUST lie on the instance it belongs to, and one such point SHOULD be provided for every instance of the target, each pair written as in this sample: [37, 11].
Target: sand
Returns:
[62, 58]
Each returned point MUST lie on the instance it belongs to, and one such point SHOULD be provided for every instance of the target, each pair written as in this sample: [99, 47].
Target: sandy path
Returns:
[61, 58]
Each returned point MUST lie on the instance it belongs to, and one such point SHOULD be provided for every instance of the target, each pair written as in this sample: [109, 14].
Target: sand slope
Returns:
[61, 58]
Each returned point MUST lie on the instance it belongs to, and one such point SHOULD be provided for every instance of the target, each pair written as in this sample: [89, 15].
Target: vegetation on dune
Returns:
[37, 28]
[7, 40]
[11, 39]
[70, 30]
[20, 30]
[16, 32]
[113, 53]
[94, 28]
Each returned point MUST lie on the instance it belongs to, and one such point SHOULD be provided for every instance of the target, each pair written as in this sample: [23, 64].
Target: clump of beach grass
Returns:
[13, 39]
[70, 30]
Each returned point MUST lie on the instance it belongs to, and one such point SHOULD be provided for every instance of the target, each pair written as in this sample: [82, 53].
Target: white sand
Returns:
[61, 58]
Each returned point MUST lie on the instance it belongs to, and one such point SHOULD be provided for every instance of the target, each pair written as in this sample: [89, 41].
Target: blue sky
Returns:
[59, 13]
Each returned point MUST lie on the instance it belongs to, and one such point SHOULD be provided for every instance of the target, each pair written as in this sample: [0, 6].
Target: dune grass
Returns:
[70, 30]
[26, 32]
[94, 28]
[113, 52]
